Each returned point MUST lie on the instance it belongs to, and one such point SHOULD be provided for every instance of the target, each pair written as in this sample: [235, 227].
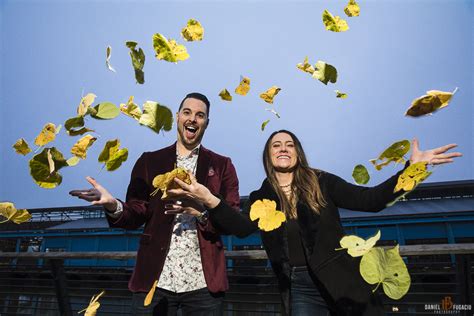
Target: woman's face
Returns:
[283, 152]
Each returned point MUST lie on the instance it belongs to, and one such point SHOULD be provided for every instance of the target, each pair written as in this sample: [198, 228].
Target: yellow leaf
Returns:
[244, 86]
[193, 31]
[80, 147]
[305, 66]
[394, 153]
[340, 94]
[94, 305]
[225, 95]
[166, 182]
[334, 23]
[268, 95]
[71, 162]
[21, 147]
[429, 103]
[412, 176]
[168, 50]
[149, 296]
[352, 9]
[357, 246]
[265, 211]
[47, 135]
[8, 210]
[85, 104]
[131, 109]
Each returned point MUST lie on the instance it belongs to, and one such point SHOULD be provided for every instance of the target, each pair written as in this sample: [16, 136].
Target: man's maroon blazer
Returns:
[215, 172]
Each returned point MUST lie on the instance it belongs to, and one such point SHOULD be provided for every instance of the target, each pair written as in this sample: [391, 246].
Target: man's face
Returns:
[192, 122]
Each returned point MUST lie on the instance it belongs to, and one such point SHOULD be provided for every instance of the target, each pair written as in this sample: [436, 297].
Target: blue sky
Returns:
[52, 52]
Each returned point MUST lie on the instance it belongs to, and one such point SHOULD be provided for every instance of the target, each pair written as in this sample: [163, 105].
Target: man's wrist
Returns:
[203, 217]
[112, 206]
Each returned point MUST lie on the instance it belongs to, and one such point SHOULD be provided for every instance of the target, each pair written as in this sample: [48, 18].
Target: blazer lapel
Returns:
[204, 162]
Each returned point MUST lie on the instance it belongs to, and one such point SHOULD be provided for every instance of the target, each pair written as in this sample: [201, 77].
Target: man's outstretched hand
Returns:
[98, 195]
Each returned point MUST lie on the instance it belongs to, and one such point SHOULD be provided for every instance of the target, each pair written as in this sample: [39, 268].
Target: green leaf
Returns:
[334, 23]
[74, 122]
[264, 124]
[40, 168]
[138, 61]
[360, 174]
[394, 153]
[325, 72]
[106, 111]
[169, 50]
[340, 95]
[74, 160]
[380, 266]
[156, 116]
[112, 156]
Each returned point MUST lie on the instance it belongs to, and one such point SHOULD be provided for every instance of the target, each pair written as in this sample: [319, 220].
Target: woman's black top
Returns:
[296, 252]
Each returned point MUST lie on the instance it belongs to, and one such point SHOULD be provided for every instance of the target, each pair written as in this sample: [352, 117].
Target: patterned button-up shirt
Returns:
[182, 271]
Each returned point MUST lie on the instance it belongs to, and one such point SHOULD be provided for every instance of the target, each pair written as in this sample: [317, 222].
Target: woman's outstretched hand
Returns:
[435, 156]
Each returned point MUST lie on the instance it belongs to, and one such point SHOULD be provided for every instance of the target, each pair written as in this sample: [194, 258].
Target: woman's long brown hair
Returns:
[305, 184]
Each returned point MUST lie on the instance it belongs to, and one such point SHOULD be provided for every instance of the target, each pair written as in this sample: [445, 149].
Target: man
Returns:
[183, 253]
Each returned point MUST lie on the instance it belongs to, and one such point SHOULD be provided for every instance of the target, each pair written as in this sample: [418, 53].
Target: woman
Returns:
[313, 278]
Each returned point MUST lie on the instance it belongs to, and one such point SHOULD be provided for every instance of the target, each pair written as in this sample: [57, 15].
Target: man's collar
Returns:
[194, 151]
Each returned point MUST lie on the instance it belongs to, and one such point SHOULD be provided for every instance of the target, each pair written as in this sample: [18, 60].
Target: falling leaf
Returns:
[47, 135]
[325, 72]
[305, 66]
[357, 246]
[107, 59]
[72, 124]
[40, 168]
[149, 296]
[94, 305]
[225, 95]
[340, 94]
[80, 147]
[268, 95]
[352, 9]
[266, 213]
[193, 31]
[156, 116]
[264, 124]
[71, 162]
[244, 86]
[21, 147]
[360, 174]
[112, 156]
[9, 211]
[106, 111]
[165, 181]
[84, 105]
[273, 111]
[131, 109]
[394, 153]
[50, 161]
[168, 50]
[380, 266]
[412, 176]
[334, 23]
[430, 103]
[58, 129]
[138, 61]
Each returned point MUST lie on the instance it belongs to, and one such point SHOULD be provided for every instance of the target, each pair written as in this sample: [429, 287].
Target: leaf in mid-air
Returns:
[225, 95]
[305, 66]
[268, 95]
[193, 31]
[352, 9]
[94, 305]
[269, 218]
[360, 174]
[106, 111]
[157, 117]
[84, 105]
[40, 168]
[79, 149]
[149, 296]
[21, 147]
[357, 246]
[47, 135]
[165, 182]
[386, 267]
[131, 109]
[430, 103]
[138, 61]
[325, 72]
[112, 156]
[413, 175]
[334, 23]
[394, 153]
[264, 124]
[340, 94]
[243, 87]
[107, 59]
[9, 211]
[169, 50]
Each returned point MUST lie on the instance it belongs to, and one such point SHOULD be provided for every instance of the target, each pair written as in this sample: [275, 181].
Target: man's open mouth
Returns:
[190, 131]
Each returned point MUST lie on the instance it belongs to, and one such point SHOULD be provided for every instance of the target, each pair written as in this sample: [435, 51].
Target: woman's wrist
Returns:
[212, 201]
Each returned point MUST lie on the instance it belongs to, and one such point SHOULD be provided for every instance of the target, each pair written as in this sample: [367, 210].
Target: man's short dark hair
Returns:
[198, 96]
